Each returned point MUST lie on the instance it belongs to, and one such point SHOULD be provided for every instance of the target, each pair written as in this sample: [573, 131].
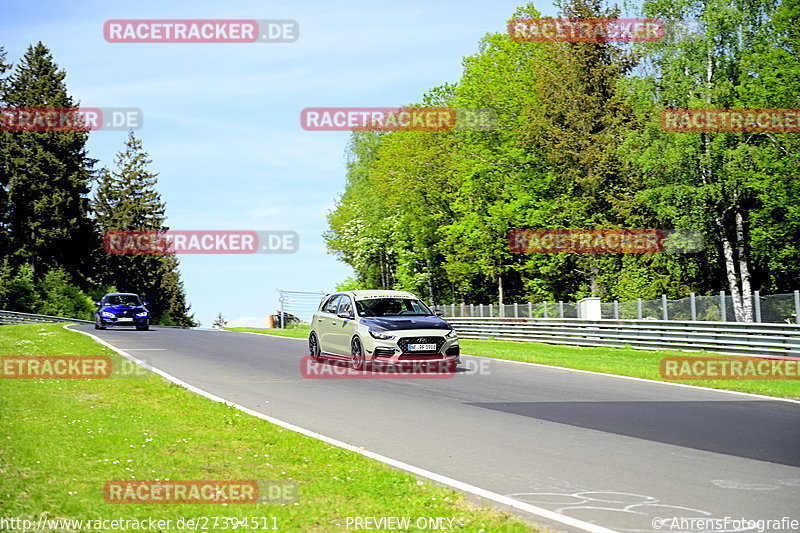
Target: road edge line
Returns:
[595, 372]
[439, 478]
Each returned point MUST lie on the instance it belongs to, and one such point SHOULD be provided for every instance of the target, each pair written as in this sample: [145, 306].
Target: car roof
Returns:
[374, 294]
[122, 294]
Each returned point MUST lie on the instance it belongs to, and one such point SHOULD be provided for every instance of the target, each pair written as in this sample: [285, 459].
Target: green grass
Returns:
[621, 361]
[62, 440]
[299, 331]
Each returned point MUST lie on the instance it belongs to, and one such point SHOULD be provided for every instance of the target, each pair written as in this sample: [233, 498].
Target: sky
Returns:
[221, 122]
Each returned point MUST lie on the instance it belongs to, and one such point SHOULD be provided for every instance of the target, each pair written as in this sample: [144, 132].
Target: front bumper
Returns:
[108, 322]
[399, 350]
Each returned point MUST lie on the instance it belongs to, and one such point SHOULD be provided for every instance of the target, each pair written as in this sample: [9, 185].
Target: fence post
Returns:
[639, 308]
[757, 305]
[530, 309]
[616, 309]
[561, 309]
[472, 310]
[452, 309]
[797, 306]
[723, 310]
[461, 308]
[545, 309]
[516, 310]
[664, 312]
[480, 310]
[693, 306]
[490, 311]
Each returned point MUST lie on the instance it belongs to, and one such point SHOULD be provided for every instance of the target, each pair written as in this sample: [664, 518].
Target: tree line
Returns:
[51, 225]
[578, 144]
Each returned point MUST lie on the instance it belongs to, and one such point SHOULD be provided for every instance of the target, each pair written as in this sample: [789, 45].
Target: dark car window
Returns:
[345, 306]
[332, 304]
[392, 307]
[123, 299]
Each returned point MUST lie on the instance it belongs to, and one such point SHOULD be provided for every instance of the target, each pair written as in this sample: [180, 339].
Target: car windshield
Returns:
[124, 299]
[392, 307]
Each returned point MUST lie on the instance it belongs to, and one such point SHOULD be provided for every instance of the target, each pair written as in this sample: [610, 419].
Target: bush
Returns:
[60, 298]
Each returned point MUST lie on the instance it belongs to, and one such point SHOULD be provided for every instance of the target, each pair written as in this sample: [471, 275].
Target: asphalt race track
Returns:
[607, 450]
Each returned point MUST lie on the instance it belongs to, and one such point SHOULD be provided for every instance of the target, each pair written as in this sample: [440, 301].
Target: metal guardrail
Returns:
[13, 317]
[730, 338]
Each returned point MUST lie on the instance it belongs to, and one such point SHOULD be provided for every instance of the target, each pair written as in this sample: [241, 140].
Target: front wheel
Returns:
[358, 361]
[98, 324]
[313, 347]
[146, 327]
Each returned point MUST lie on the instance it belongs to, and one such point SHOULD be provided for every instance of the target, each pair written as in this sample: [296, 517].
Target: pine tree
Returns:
[46, 176]
[127, 200]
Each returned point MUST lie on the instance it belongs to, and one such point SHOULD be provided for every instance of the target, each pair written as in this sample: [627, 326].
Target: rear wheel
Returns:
[313, 347]
[357, 351]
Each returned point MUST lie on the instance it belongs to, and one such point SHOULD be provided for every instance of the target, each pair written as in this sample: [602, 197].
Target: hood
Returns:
[390, 323]
[122, 307]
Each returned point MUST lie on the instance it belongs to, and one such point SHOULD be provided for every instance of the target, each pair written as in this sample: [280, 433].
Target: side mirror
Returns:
[145, 304]
[345, 315]
[438, 312]
[98, 304]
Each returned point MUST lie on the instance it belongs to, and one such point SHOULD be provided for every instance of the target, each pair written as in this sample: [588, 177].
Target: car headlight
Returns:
[107, 314]
[142, 314]
[451, 334]
[377, 334]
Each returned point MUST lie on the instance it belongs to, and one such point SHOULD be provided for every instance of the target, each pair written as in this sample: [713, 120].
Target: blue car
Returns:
[122, 309]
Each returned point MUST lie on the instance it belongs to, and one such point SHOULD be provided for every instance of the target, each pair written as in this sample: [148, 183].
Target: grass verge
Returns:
[297, 332]
[62, 440]
[621, 361]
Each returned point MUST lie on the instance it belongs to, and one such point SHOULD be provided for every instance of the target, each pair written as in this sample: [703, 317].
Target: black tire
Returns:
[313, 347]
[146, 327]
[357, 351]
[97, 324]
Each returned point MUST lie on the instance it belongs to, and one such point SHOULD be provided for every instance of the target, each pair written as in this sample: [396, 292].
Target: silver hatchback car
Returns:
[381, 327]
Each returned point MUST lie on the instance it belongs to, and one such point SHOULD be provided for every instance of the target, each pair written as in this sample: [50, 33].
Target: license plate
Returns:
[124, 320]
[422, 347]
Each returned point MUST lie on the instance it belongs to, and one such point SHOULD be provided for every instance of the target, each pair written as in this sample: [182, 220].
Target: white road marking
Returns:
[454, 483]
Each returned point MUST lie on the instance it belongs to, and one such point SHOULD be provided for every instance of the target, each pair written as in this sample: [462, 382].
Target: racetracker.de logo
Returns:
[579, 241]
[311, 369]
[589, 30]
[699, 368]
[55, 367]
[70, 118]
[200, 242]
[397, 119]
[200, 31]
[195, 492]
[731, 120]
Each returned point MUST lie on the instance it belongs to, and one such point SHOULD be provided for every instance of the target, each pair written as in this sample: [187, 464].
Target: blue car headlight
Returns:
[107, 314]
[141, 314]
[378, 334]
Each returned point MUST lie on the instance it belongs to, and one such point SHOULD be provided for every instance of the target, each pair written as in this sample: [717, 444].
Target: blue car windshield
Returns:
[123, 299]
[392, 307]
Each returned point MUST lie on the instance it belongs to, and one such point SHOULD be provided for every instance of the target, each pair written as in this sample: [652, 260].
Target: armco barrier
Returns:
[730, 338]
[12, 317]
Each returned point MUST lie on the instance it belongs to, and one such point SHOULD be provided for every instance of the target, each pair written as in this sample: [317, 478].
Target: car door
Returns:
[325, 323]
[343, 328]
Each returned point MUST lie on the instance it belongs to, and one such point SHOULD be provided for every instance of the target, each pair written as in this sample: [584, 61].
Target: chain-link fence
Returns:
[774, 308]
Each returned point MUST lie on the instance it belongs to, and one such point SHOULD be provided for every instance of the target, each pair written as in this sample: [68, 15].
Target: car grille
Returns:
[123, 314]
[383, 351]
[405, 341]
